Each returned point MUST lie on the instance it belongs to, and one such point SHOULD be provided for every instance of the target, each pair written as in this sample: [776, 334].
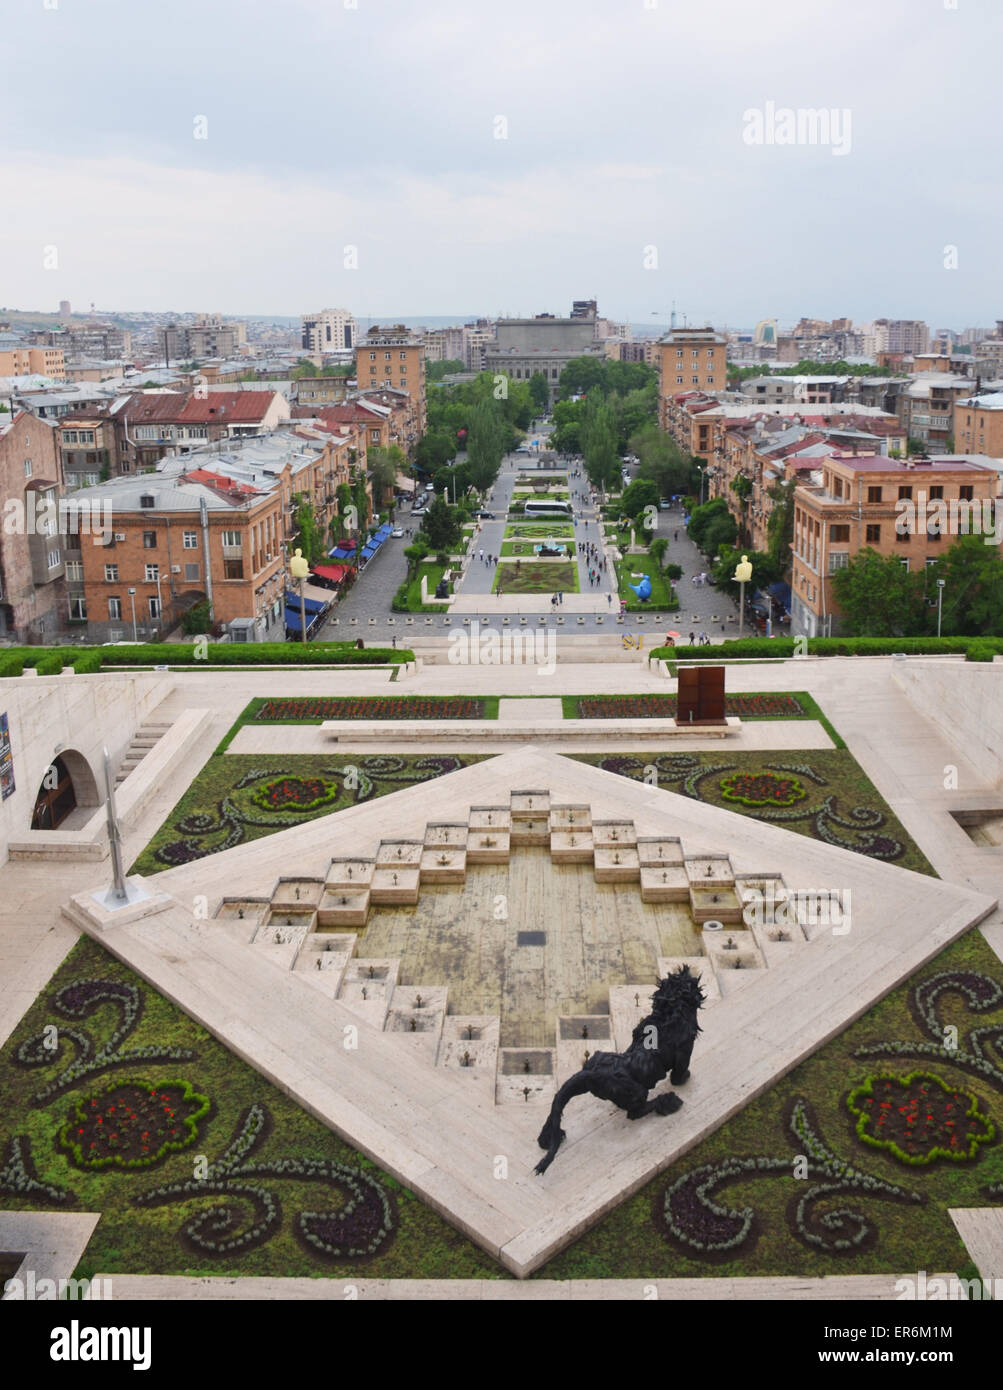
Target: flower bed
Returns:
[919, 1118]
[664, 707]
[132, 1124]
[295, 794]
[371, 707]
[761, 789]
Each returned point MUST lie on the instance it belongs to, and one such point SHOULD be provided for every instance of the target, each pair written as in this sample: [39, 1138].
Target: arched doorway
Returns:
[68, 783]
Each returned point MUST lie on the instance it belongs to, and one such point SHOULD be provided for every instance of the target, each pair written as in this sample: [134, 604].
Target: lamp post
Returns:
[703, 475]
[743, 573]
[300, 568]
[132, 598]
[941, 583]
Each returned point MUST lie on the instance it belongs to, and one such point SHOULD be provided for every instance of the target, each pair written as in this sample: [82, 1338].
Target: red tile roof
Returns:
[218, 407]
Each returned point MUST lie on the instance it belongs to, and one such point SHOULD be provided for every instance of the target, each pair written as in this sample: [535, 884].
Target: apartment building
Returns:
[391, 358]
[445, 345]
[329, 330]
[33, 361]
[32, 556]
[851, 504]
[87, 340]
[926, 409]
[211, 337]
[978, 424]
[216, 525]
[87, 449]
[690, 359]
[150, 425]
[768, 450]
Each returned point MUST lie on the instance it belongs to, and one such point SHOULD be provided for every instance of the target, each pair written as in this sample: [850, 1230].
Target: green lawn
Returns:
[540, 530]
[433, 573]
[221, 808]
[840, 805]
[663, 596]
[537, 577]
[134, 1237]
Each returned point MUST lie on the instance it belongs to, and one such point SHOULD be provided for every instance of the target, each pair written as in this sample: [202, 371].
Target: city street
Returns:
[367, 606]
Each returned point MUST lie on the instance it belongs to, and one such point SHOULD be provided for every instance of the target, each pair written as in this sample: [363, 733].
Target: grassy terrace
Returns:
[536, 577]
[663, 596]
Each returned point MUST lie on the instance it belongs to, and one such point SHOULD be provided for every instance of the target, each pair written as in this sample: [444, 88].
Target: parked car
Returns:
[417, 511]
[485, 516]
[664, 505]
[397, 531]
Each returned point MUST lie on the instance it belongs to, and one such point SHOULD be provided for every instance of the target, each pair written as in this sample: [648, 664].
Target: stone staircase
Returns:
[311, 926]
[145, 737]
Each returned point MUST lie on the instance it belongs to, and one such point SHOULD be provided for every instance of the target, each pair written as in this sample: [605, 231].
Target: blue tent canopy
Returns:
[293, 620]
[340, 553]
[312, 604]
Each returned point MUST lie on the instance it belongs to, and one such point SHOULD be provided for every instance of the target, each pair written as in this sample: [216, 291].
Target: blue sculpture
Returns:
[642, 590]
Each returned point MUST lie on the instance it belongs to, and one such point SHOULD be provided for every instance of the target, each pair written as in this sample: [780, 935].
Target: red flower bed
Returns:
[373, 707]
[133, 1124]
[294, 794]
[919, 1118]
[761, 789]
[664, 707]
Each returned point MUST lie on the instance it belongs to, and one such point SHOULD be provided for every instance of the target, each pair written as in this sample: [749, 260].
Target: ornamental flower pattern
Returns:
[251, 1213]
[664, 707]
[295, 794]
[761, 789]
[372, 707]
[133, 1124]
[249, 804]
[919, 1118]
[854, 829]
[79, 999]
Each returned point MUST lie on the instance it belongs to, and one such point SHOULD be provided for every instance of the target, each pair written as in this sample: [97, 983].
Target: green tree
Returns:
[879, 597]
[304, 368]
[441, 525]
[657, 550]
[435, 371]
[485, 443]
[602, 462]
[712, 526]
[742, 488]
[384, 465]
[540, 392]
[661, 459]
[309, 535]
[973, 589]
[780, 526]
[764, 570]
[360, 497]
[637, 495]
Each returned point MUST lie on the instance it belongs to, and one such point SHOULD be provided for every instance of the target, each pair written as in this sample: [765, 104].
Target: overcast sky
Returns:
[625, 175]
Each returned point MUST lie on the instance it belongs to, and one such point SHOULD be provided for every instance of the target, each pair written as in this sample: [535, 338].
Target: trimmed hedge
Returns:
[49, 661]
[781, 647]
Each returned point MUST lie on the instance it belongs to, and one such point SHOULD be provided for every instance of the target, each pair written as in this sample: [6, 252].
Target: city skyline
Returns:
[512, 164]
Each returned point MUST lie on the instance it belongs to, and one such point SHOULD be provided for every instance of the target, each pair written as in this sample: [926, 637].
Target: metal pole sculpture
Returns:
[114, 835]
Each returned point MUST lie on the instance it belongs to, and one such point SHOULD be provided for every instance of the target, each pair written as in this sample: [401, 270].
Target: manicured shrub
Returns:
[50, 664]
[87, 663]
[11, 664]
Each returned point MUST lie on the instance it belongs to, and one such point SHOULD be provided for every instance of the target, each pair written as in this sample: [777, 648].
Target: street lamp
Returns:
[743, 573]
[300, 568]
[941, 583]
[132, 597]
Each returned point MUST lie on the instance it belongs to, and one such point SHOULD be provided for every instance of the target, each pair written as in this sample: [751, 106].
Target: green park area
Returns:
[536, 577]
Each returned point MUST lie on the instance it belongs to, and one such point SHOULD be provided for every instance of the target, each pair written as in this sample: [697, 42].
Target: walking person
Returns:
[482, 556]
[609, 600]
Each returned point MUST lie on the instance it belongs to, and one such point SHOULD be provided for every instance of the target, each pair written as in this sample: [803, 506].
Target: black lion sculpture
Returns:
[661, 1046]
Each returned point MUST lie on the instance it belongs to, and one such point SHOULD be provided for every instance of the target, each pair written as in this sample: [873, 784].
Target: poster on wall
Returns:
[6, 760]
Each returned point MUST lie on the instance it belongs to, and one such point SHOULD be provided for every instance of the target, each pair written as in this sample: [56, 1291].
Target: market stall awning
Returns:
[334, 573]
[312, 605]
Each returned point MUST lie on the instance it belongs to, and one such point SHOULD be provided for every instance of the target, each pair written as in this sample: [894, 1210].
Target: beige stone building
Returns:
[855, 502]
